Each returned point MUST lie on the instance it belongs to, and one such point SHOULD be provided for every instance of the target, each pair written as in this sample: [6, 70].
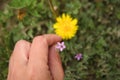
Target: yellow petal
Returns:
[66, 27]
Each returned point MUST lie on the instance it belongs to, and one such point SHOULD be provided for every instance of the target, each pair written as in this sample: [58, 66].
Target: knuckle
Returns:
[20, 42]
[20, 46]
[41, 39]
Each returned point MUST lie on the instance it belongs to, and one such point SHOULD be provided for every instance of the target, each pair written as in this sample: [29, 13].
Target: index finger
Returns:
[38, 57]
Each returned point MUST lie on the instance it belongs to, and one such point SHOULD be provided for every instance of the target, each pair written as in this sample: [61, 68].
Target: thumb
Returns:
[55, 64]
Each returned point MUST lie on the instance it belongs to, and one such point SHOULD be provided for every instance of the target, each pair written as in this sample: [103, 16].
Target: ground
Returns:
[97, 39]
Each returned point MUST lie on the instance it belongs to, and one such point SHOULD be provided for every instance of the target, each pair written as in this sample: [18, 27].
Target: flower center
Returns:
[61, 46]
[66, 28]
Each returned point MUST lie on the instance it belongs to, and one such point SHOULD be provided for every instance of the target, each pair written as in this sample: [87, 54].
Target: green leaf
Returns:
[17, 4]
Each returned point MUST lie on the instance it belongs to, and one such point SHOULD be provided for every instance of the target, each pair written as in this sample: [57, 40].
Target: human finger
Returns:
[21, 52]
[55, 64]
[18, 60]
[38, 57]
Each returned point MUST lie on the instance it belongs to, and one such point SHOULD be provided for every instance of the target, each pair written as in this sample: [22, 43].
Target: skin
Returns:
[38, 60]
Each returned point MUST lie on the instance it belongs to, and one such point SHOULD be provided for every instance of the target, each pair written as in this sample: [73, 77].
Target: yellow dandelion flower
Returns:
[66, 27]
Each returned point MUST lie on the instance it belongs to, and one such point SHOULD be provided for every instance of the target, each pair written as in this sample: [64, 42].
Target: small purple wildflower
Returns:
[78, 56]
[60, 46]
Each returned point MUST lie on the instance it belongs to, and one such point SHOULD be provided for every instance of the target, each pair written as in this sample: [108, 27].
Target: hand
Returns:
[38, 60]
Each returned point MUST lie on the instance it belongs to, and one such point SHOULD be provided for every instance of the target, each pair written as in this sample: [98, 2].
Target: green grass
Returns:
[98, 37]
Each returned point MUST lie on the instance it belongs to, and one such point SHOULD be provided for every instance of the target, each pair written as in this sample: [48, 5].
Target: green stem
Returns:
[52, 8]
